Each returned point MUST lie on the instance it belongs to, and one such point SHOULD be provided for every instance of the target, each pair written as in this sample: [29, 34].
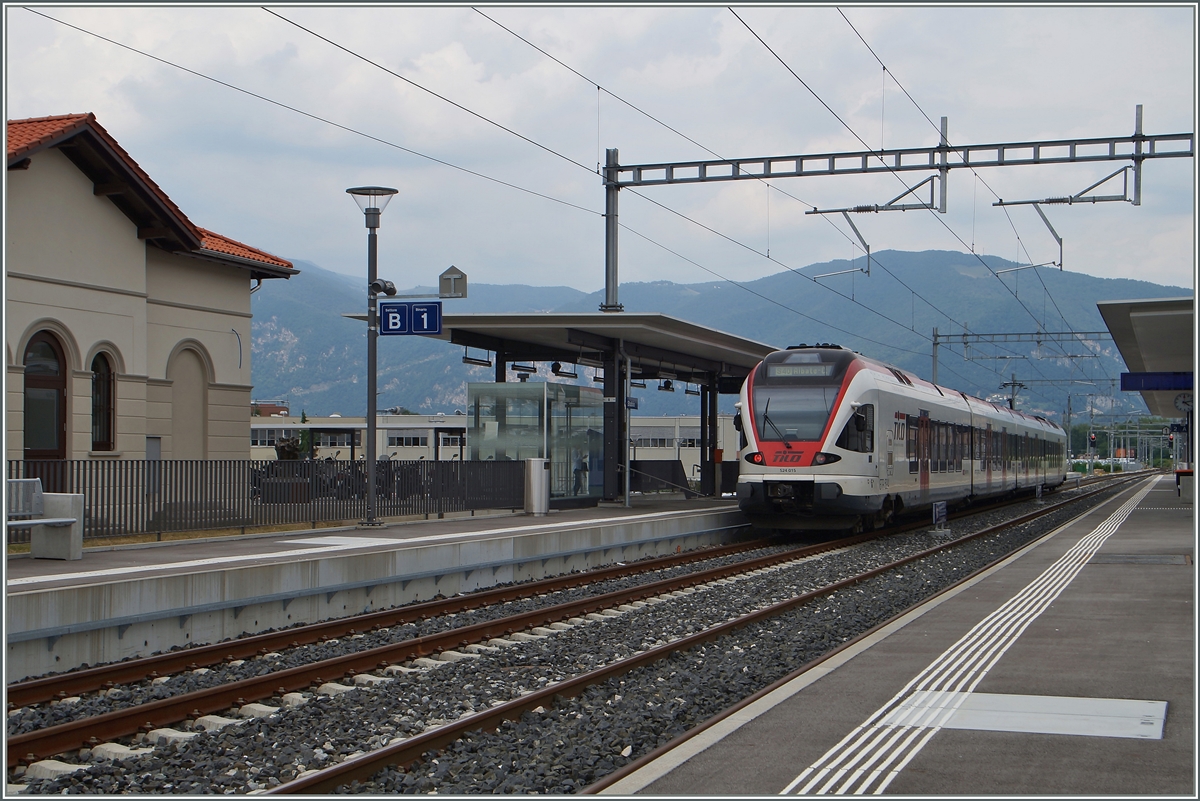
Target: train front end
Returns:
[807, 443]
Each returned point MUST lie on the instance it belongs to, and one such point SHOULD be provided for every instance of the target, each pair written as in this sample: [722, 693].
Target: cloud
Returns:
[276, 179]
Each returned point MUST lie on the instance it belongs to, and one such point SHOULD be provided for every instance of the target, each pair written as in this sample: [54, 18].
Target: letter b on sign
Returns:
[393, 318]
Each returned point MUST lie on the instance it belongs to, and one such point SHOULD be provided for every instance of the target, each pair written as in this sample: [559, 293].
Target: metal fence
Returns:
[130, 496]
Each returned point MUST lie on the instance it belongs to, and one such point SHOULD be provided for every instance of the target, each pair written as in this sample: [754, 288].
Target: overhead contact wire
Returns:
[868, 147]
[426, 89]
[884, 163]
[315, 117]
[973, 170]
[599, 87]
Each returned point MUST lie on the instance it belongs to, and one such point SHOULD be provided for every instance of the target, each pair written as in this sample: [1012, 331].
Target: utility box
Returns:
[537, 487]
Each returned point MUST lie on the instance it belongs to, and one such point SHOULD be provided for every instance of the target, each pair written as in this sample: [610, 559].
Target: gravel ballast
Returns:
[564, 747]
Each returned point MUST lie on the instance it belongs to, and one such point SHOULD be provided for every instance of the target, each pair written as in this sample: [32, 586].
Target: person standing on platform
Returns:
[580, 465]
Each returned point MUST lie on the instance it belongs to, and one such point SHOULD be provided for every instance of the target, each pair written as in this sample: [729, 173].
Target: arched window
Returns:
[103, 405]
[45, 398]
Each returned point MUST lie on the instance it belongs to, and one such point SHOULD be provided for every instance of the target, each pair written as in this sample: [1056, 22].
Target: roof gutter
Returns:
[268, 270]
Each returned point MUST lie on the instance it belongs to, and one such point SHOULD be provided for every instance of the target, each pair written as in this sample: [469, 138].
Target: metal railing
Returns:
[131, 496]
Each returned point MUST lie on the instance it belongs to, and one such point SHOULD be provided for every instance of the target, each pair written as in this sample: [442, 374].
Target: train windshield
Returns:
[794, 393]
[792, 414]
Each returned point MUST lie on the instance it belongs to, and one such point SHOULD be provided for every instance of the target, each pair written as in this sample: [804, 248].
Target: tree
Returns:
[305, 442]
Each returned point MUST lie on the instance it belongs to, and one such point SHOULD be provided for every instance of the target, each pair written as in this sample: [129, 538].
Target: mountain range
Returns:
[306, 352]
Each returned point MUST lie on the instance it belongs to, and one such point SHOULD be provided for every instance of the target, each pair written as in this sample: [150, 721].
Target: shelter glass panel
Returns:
[560, 422]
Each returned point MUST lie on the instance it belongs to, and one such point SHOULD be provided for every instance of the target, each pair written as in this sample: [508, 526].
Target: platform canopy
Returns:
[658, 346]
[1157, 341]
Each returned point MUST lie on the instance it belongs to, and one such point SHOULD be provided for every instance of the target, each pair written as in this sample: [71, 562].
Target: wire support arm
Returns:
[891, 205]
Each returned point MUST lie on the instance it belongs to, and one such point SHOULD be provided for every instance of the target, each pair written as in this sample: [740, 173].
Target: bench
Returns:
[55, 519]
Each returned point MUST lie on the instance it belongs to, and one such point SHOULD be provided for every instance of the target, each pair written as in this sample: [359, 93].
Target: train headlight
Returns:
[755, 458]
[826, 458]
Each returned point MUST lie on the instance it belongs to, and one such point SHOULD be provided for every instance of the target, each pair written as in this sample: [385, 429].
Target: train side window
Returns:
[859, 432]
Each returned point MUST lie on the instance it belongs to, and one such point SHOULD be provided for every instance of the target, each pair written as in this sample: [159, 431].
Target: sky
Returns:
[525, 205]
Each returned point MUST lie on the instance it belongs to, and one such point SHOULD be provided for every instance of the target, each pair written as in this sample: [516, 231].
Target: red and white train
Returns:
[833, 440]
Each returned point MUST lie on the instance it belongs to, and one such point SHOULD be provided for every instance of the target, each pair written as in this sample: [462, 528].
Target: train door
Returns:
[889, 457]
[1025, 458]
[987, 455]
[1005, 455]
[924, 446]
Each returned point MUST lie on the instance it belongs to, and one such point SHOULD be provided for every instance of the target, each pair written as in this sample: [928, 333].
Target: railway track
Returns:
[61, 685]
[364, 767]
[535, 623]
[162, 712]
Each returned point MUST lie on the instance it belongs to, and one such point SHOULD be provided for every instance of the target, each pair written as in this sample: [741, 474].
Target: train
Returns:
[831, 440]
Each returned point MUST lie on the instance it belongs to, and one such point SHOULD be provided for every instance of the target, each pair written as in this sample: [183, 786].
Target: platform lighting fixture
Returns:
[598, 377]
[469, 359]
[558, 370]
[687, 389]
[372, 200]
[666, 385]
[637, 382]
[524, 368]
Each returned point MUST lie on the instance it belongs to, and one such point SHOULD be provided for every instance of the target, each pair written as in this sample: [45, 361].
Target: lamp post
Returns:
[372, 200]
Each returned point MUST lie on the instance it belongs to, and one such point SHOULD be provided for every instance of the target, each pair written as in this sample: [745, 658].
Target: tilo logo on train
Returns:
[410, 318]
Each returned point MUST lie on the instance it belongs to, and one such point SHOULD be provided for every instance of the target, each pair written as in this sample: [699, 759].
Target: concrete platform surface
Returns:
[133, 601]
[189, 555]
[1021, 682]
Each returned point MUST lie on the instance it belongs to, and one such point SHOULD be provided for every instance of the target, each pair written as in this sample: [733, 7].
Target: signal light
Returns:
[1171, 438]
[1093, 437]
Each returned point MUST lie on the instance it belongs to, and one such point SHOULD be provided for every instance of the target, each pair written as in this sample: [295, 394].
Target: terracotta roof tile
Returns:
[26, 135]
[230, 247]
[30, 135]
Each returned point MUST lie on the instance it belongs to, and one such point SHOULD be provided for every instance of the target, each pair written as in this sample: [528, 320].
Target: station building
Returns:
[127, 326]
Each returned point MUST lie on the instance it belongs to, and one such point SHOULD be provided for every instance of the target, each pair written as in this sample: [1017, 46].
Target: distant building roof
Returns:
[98, 155]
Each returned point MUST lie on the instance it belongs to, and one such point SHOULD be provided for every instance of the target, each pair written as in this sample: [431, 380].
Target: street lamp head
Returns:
[372, 200]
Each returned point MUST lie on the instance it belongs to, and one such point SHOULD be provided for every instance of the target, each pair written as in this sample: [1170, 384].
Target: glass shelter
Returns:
[528, 420]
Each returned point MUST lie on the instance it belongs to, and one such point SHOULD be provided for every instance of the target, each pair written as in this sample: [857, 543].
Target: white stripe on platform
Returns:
[870, 757]
[330, 546]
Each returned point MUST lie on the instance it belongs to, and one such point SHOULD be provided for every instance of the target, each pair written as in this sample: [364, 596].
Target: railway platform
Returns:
[1069, 668]
[135, 600]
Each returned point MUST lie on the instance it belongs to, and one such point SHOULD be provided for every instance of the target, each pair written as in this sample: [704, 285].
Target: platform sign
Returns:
[939, 516]
[427, 318]
[452, 283]
[394, 318]
[631, 402]
[397, 319]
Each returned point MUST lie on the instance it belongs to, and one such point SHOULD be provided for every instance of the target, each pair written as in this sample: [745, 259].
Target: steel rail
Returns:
[79, 733]
[87, 731]
[62, 685]
[598, 786]
[328, 780]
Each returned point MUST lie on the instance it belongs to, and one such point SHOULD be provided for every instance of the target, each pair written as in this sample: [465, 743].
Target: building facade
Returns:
[127, 327]
[444, 437]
